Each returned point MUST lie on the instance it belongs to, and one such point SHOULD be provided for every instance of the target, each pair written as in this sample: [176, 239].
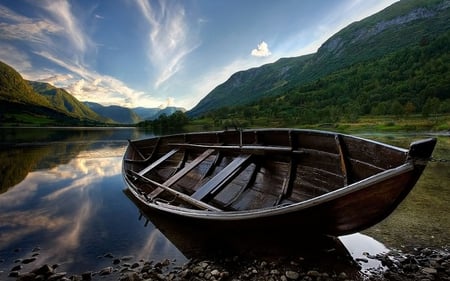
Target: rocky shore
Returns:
[423, 264]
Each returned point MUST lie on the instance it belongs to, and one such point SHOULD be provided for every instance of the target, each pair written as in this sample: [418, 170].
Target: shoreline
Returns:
[415, 264]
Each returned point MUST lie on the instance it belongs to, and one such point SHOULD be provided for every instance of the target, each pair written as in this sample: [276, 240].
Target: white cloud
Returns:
[170, 40]
[262, 50]
[14, 58]
[18, 27]
[60, 11]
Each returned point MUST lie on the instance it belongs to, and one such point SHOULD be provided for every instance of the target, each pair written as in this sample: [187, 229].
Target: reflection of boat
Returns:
[278, 179]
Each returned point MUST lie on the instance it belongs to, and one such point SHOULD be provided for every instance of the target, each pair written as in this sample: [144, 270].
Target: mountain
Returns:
[117, 114]
[20, 103]
[153, 113]
[404, 24]
[63, 101]
[146, 113]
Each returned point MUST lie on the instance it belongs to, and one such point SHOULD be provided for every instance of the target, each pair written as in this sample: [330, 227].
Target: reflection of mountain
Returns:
[26, 150]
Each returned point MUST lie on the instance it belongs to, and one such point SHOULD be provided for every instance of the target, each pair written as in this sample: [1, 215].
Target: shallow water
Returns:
[61, 191]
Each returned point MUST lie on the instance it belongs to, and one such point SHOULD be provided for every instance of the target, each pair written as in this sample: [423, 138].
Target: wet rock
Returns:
[86, 276]
[131, 276]
[43, 270]
[28, 260]
[293, 275]
[36, 249]
[27, 277]
[106, 271]
[17, 268]
[13, 274]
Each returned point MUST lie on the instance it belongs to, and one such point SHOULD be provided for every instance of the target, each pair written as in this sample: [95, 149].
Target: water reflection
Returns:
[69, 202]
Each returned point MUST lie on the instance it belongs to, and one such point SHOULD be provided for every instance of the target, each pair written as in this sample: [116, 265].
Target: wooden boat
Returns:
[281, 179]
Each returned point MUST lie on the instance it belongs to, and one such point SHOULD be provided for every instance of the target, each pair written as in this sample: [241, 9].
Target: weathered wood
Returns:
[179, 195]
[182, 172]
[244, 148]
[342, 158]
[222, 178]
[321, 182]
[288, 181]
[158, 162]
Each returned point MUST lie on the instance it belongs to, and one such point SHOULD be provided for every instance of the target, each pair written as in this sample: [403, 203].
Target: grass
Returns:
[366, 123]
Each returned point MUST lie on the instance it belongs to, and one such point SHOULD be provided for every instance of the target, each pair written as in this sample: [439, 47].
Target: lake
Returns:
[62, 202]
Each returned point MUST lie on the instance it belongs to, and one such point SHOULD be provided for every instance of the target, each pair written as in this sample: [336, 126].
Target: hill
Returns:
[60, 99]
[117, 114]
[404, 24]
[21, 104]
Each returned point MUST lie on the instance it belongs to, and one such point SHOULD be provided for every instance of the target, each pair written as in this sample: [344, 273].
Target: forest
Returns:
[411, 81]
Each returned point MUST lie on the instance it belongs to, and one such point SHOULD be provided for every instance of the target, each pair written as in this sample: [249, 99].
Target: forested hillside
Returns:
[405, 24]
[21, 104]
[413, 80]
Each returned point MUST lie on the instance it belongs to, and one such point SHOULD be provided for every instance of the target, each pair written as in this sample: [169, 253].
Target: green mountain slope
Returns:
[13, 88]
[21, 104]
[405, 23]
[413, 80]
[60, 99]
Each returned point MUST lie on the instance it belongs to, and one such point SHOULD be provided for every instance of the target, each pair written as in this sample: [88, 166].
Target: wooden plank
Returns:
[287, 183]
[158, 162]
[179, 195]
[221, 179]
[246, 148]
[342, 159]
[182, 172]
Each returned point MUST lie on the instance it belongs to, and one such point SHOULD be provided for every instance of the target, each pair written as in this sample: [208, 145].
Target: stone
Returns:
[215, 272]
[43, 270]
[429, 270]
[28, 260]
[293, 275]
[17, 268]
[86, 276]
[313, 273]
[106, 271]
[131, 276]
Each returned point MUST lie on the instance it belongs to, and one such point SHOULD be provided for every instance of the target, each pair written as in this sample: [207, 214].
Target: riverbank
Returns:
[417, 264]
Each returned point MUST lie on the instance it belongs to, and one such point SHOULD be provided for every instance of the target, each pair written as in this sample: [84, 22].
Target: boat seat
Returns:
[215, 184]
[157, 162]
[182, 172]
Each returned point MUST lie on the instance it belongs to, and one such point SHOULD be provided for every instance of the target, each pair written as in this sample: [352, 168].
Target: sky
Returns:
[162, 53]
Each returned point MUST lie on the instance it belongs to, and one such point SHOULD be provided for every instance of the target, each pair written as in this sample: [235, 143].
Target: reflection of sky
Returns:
[76, 212]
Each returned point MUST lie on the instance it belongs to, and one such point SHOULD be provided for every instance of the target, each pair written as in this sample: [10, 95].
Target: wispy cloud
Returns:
[18, 27]
[60, 10]
[169, 38]
[61, 39]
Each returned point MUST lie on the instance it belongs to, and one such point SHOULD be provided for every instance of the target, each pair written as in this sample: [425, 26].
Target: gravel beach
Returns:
[417, 264]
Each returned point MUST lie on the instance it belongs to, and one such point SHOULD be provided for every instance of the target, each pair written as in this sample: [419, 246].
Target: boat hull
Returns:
[351, 208]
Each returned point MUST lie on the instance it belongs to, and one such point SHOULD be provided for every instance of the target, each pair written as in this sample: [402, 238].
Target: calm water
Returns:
[61, 190]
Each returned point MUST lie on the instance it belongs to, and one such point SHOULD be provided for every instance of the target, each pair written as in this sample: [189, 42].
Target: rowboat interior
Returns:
[232, 171]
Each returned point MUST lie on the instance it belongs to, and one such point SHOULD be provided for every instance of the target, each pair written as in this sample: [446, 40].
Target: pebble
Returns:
[421, 264]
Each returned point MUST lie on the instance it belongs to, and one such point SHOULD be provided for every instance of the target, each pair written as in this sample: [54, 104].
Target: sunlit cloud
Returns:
[262, 50]
[169, 38]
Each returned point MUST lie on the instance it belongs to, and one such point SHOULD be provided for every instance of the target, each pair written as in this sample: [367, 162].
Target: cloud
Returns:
[18, 27]
[170, 39]
[262, 50]
[60, 11]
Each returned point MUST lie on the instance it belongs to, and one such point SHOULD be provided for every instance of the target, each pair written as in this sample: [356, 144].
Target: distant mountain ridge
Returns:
[405, 23]
[23, 102]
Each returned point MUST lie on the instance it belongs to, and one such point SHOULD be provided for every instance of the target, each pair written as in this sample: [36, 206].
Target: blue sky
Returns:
[158, 53]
